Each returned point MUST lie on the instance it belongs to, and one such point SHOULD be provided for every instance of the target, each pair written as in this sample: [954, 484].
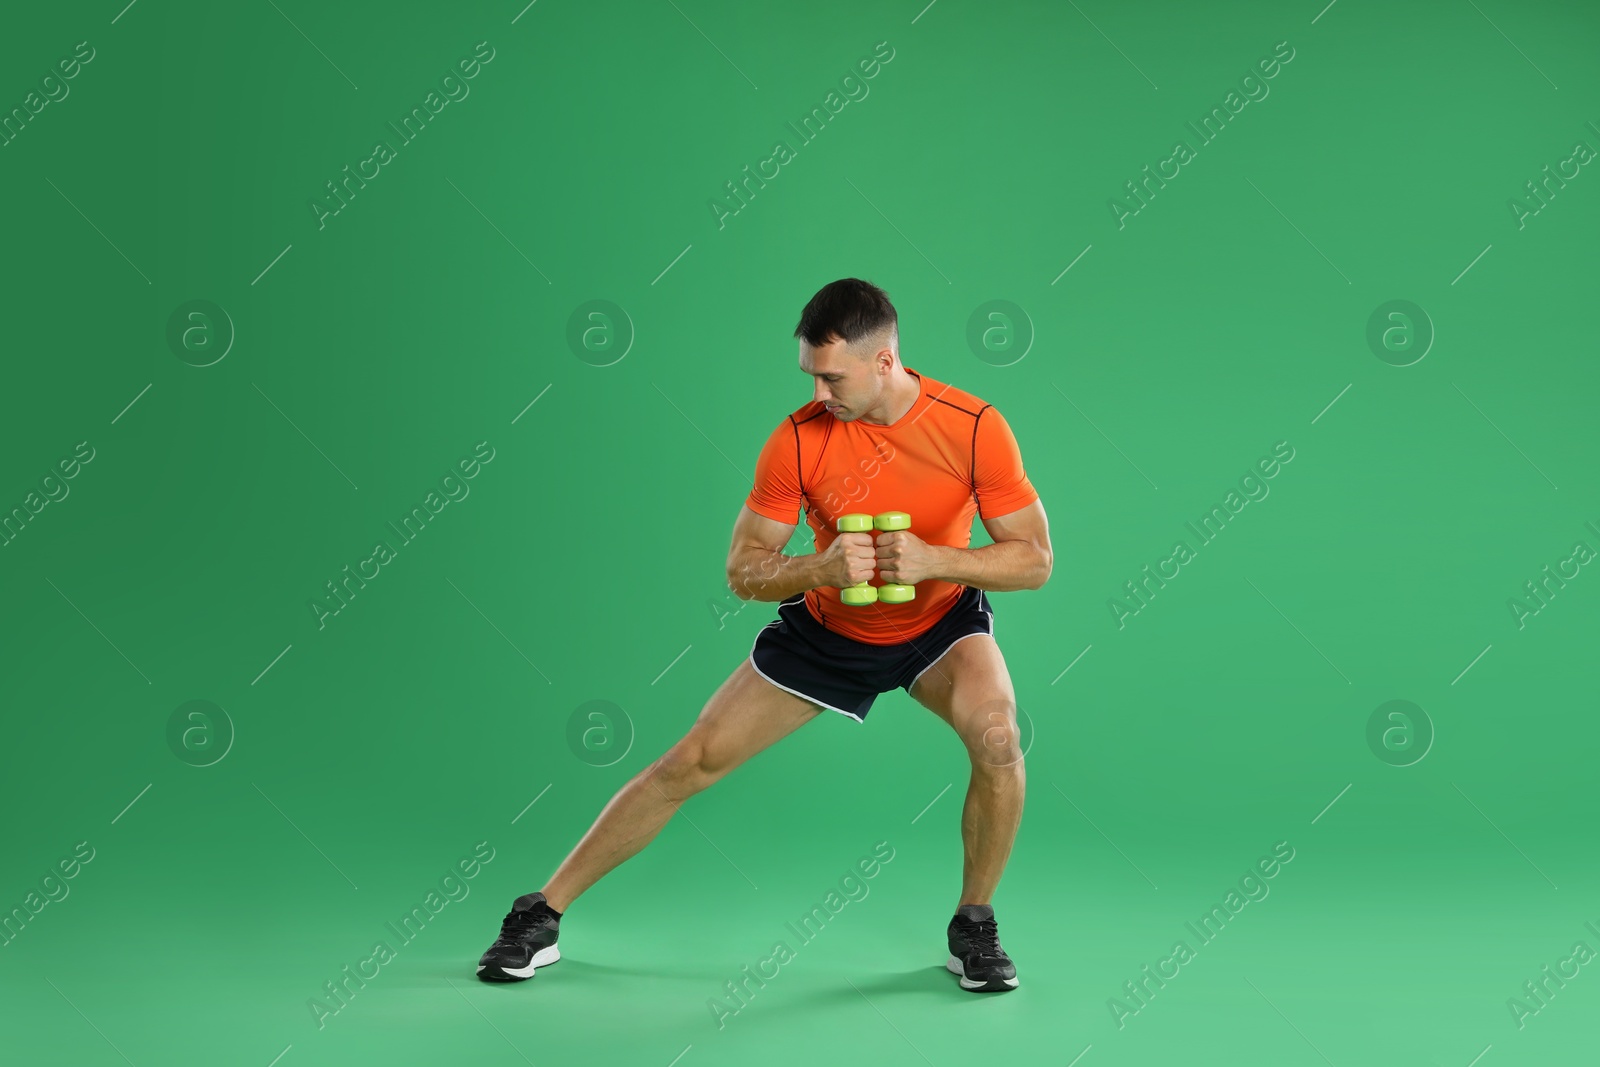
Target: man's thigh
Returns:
[745, 715]
[970, 688]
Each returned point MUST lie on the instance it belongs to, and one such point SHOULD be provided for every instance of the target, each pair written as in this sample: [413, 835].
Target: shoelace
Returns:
[515, 926]
[983, 935]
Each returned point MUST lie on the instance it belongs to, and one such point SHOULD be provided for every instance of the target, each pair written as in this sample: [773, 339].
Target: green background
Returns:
[586, 564]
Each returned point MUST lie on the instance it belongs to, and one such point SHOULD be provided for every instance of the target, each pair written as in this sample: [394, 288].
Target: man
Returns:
[877, 436]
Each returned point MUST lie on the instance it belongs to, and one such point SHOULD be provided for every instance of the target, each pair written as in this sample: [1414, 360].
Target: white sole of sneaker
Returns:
[542, 958]
[954, 966]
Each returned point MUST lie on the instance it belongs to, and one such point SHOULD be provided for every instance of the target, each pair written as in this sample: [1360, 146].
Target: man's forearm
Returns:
[771, 576]
[1002, 567]
[759, 574]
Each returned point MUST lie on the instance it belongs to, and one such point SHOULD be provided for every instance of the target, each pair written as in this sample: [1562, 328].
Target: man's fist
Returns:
[848, 560]
[904, 558]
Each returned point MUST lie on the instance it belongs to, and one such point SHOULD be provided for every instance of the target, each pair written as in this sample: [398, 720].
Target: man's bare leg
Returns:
[745, 715]
[970, 688]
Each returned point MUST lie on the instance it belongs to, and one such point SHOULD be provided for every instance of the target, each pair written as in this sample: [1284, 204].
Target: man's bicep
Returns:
[755, 530]
[756, 538]
[1026, 524]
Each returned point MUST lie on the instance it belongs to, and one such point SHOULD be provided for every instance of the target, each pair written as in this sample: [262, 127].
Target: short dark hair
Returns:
[850, 309]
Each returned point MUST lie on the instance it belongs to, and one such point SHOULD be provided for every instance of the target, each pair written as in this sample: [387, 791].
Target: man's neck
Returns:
[908, 388]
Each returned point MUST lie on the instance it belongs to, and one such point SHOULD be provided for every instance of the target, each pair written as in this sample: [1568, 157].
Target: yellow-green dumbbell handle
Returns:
[858, 596]
[861, 594]
[891, 593]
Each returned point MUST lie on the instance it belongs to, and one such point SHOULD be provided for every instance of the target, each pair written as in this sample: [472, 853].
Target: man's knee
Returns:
[684, 769]
[993, 738]
[998, 762]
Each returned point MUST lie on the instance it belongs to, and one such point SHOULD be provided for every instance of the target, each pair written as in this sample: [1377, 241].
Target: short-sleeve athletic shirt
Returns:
[949, 457]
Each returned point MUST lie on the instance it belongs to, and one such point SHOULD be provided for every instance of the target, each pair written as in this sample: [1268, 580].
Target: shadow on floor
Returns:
[573, 969]
[922, 983]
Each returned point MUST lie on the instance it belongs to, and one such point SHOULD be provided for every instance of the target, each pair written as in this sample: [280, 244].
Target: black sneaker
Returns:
[975, 952]
[527, 941]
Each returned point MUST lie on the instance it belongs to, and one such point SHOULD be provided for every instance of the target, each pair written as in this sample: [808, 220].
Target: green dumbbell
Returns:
[891, 593]
[860, 594]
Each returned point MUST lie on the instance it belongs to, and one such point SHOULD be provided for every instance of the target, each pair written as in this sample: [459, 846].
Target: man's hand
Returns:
[847, 560]
[906, 559]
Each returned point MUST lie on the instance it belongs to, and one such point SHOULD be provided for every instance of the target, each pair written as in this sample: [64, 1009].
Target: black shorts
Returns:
[798, 654]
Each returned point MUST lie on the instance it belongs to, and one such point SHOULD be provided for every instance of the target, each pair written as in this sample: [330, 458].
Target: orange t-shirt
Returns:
[947, 458]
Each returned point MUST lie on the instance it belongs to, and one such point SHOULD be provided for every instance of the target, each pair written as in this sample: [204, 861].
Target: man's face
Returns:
[841, 380]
